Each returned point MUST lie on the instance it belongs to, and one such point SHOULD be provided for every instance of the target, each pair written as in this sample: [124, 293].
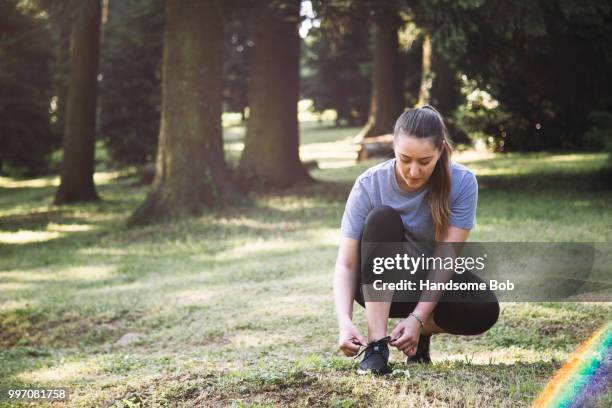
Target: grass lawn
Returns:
[235, 308]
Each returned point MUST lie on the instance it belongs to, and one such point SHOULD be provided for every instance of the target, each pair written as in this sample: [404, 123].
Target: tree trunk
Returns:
[445, 93]
[387, 94]
[80, 121]
[62, 73]
[271, 153]
[191, 172]
[426, 73]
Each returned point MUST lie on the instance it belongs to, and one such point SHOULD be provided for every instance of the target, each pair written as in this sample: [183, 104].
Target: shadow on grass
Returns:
[260, 221]
[13, 197]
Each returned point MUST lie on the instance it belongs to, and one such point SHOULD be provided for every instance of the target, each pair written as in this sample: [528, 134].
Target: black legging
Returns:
[474, 316]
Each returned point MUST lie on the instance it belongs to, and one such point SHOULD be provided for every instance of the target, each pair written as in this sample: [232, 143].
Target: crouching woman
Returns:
[417, 198]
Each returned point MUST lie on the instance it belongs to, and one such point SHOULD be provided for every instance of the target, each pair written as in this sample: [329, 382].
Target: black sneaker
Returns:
[376, 358]
[422, 352]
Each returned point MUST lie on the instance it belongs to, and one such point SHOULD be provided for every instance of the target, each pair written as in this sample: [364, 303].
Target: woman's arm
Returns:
[345, 286]
[345, 278]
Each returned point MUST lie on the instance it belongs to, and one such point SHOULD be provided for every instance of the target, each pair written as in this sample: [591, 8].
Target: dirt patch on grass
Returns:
[216, 338]
[33, 220]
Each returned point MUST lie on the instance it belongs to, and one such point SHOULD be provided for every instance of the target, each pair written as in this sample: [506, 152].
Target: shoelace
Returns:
[381, 341]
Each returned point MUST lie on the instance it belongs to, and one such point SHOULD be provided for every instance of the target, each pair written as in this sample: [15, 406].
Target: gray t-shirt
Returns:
[378, 186]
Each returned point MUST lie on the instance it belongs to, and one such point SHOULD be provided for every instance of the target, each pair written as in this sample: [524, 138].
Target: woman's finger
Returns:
[399, 340]
[407, 347]
[404, 341]
[346, 351]
[349, 346]
[362, 341]
[396, 333]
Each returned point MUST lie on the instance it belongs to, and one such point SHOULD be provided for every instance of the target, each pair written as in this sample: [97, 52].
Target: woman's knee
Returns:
[488, 313]
[383, 224]
[465, 318]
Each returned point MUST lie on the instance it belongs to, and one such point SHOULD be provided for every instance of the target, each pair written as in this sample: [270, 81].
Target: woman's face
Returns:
[416, 159]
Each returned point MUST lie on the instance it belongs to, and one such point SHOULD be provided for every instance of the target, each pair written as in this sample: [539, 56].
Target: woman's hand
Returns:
[405, 336]
[350, 339]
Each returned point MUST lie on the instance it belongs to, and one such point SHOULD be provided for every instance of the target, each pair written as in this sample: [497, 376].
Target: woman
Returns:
[422, 199]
